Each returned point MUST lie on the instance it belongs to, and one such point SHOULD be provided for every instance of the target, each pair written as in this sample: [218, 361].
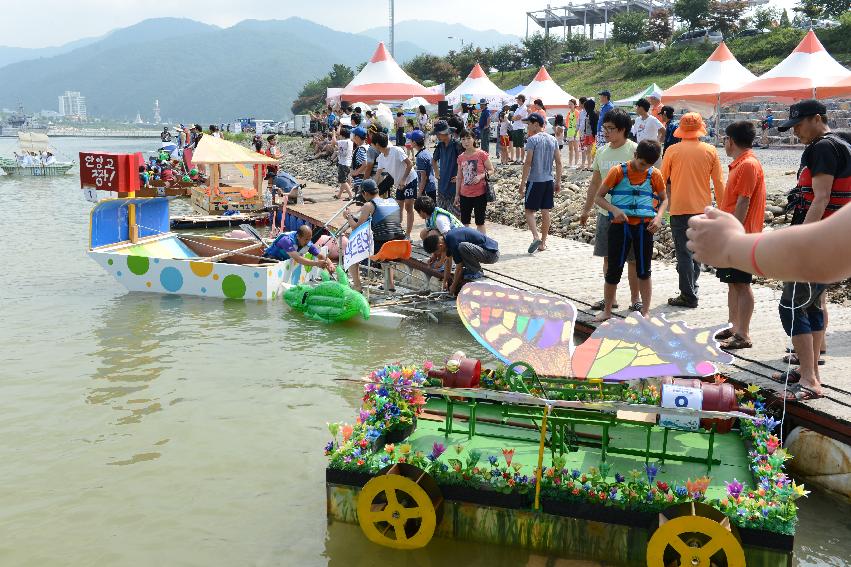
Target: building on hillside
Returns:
[587, 14]
[72, 105]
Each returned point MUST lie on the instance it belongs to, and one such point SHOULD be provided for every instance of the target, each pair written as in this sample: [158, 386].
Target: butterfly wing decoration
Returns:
[635, 347]
[516, 325]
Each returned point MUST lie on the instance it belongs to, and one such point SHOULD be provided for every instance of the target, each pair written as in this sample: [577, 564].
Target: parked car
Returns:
[751, 32]
[699, 36]
[647, 47]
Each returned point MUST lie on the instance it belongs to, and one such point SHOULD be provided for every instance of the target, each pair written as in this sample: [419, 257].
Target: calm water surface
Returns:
[144, 429]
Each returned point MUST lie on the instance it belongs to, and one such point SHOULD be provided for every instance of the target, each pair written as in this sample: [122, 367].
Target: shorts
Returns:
[808, 317]
[342, 173]
[601, 238]
[505, 141]
[478, 204]
[623, 238]
[586, 141]
[400, 136]
[732, 275]
[539, 195]
[407, 192]
[518, 138]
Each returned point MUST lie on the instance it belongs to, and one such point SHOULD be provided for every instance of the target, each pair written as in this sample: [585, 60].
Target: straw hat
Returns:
[691, 127]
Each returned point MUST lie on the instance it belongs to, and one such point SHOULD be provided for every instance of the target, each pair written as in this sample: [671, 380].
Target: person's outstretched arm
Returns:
[813, 252]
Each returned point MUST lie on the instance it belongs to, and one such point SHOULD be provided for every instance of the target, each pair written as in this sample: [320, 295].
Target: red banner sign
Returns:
[109, 172]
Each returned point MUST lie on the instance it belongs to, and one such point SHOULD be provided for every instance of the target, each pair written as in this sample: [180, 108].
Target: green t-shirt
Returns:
[608, 157]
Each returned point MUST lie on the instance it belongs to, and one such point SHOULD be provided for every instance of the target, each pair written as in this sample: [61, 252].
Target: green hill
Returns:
[625, 73]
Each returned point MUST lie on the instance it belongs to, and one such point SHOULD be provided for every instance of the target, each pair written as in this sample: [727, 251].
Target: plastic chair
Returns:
[391, 251]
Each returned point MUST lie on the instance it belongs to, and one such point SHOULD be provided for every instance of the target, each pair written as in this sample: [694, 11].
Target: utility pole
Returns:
[392, 26]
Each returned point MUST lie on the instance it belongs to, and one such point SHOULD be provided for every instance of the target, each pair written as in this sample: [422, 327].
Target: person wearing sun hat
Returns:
[687, 167]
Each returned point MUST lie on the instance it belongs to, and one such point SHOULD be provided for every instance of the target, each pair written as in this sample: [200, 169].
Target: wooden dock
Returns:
[568, 268]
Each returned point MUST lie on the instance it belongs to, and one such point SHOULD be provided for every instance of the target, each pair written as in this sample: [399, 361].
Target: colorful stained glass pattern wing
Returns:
[516, 325]
[635, 347]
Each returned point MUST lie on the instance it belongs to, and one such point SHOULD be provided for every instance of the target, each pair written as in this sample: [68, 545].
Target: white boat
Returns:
[131, 239]
[33, 144]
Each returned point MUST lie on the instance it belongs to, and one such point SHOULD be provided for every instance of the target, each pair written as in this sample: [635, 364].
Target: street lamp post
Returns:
[458, 38]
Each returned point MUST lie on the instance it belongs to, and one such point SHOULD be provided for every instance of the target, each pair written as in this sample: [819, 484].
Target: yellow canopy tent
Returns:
[217, 151]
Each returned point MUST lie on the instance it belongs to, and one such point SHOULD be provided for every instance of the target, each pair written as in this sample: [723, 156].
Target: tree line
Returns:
[628, 29]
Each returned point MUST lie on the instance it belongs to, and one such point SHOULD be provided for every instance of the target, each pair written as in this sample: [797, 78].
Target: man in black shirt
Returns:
[166, 135]
[824, 181]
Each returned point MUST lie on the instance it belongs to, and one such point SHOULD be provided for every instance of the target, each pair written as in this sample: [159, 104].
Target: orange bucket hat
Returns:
[691, 127]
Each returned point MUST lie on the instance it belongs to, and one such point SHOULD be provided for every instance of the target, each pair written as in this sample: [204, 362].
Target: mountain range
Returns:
[200, 72]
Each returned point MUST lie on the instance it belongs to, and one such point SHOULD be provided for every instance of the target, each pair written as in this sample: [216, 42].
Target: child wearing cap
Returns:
[422, 162]
[637, 208]
[345, 150]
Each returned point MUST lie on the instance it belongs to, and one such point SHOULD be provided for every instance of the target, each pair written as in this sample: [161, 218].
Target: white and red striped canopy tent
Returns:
[382, 80]
[839, 89]
[700, 91]
[544, 88]
[798, 76]
[478, 86]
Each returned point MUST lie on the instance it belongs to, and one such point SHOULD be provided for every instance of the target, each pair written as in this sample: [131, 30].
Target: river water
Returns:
[144, 429]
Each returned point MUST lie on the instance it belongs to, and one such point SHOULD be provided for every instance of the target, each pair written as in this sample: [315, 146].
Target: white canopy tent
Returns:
[477, 86]
[383, 80]
[652, 90]
[544, 88]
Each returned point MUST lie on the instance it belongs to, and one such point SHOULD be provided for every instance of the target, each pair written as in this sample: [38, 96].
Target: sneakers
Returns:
[682, 301]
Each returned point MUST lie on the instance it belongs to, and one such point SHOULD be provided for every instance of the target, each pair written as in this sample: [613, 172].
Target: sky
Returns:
[60, 21]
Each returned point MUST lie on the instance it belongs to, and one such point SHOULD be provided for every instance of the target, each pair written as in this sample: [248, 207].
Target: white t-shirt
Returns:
[646, 128]
[346, 120]
[394, 164]
[519, 115]
[503, 127]
[345, 148]
[442, 224]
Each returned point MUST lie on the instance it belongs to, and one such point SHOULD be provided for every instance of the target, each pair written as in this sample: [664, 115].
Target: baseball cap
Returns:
[605, 93]
[416, 136]
[535, 117]
[369, 186]
[442, 127]
[483, 101]
[691, 127]
[800, 110]
[359, 132]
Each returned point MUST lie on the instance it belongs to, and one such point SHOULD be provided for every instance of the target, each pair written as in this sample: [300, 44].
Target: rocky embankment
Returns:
[507, 209]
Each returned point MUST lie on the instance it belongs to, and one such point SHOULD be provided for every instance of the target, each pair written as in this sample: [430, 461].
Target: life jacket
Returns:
[635, 200]
[840, 191]
[572, 118]
[432, 220]
[386, 221]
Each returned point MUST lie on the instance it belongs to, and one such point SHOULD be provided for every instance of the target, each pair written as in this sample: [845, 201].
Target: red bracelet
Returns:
[753, 256]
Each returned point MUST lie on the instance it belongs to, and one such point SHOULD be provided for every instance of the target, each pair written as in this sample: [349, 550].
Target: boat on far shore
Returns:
[34, 147]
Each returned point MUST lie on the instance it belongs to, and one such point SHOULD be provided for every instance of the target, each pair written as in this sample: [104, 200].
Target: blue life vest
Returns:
[276, 250]
[635, 200]
[431, 223]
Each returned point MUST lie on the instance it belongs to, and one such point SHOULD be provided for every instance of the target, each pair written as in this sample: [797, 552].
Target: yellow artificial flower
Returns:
[405, 448]
[752, 389]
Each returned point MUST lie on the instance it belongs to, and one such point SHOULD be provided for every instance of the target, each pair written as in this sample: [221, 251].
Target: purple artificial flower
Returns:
[735, 488]
[770, 423]
[619, 477]
[437, 450]
[652, 470]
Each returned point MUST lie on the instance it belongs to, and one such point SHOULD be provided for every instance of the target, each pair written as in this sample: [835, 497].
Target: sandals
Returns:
[798, 393]
[780, 377]
[736, 342]
[681, 301]
[723, 335]
[793, 359]
[791, 350]
[534, 246]
[600, 305]
[637, 306]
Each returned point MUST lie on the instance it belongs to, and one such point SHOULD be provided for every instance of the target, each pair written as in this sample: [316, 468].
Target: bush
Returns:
[778, 41]
[671, 60]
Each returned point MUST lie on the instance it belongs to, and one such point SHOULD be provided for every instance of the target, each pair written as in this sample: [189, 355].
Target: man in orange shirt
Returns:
[744, 198]
[637, 208]
[688, 167]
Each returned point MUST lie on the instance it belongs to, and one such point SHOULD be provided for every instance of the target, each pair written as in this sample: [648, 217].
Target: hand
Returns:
[557, 186]
[522, 189]
[619, 215]
[329, 265]
[655, 225]
[457, 203]
[712, 236]
[445, 284]
[478, 178]
[583, 218]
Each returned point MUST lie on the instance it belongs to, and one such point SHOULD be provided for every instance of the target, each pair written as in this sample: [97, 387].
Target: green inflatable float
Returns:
[329, 301]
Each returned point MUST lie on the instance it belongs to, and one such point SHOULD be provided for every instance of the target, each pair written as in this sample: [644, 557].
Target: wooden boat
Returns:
[234, 174]
[139, 249]
[184, 222]
[37, 143]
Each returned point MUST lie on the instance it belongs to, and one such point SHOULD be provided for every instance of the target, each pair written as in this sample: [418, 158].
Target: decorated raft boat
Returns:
[630, 467]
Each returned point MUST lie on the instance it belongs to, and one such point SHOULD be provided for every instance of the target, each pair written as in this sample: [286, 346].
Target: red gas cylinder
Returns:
[468, 374]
